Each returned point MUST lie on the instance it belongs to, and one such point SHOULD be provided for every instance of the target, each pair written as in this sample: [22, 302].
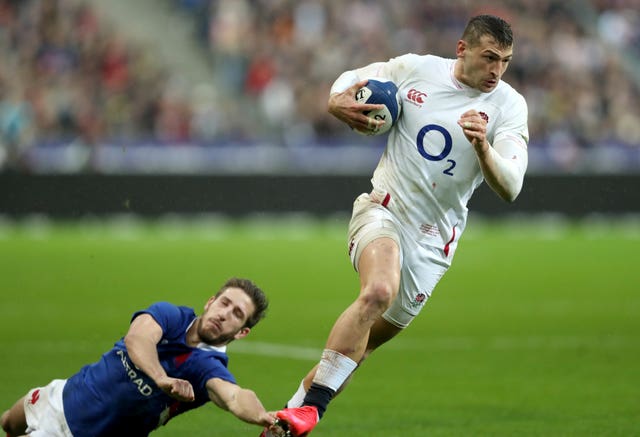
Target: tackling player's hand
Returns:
[475, 129]
[269, 420]
[179, 389]
[344, 107]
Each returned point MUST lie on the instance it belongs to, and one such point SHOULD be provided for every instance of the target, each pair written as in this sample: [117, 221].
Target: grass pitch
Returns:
[534, 331]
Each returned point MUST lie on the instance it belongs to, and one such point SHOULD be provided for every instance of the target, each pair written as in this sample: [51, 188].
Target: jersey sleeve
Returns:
[514, 127]
[214, 367]
[400, 68]
[395, 69]
[171, 318]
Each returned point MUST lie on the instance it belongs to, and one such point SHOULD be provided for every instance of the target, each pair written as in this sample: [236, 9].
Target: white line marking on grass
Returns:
[515, 343]
[275, 350]
[242, 347]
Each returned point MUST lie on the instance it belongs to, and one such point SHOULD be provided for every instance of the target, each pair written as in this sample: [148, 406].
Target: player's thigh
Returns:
[373, 234]
[380, 263]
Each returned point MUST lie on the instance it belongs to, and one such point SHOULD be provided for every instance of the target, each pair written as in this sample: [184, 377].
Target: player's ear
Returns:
[460, 48]
[209, 302]
[242, 333]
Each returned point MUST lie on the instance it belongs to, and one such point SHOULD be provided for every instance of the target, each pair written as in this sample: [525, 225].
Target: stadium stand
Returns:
[77, 93]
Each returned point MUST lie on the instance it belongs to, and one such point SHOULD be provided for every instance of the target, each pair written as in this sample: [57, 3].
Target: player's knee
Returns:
[4, 422]
[10, 425]
[378, 295]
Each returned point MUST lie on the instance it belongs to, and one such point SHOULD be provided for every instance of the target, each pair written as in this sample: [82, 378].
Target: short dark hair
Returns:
[482, 25]
[255, 293]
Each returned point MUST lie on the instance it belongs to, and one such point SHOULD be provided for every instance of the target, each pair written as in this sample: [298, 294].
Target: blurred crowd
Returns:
[66, 76]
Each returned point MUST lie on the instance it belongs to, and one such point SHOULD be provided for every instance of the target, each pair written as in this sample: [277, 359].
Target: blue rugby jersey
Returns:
[112, 397]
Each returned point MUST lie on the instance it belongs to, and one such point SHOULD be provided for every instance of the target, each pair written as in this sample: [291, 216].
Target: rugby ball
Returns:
[380, 92]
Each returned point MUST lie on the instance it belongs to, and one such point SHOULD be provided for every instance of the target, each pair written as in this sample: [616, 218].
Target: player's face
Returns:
[225, 316]
[482, 66]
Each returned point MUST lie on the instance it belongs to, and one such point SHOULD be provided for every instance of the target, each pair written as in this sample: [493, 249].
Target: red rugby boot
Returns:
[300, 421]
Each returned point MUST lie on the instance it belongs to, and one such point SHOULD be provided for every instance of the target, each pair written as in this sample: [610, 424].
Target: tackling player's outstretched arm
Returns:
[241, 402]
[141, 341]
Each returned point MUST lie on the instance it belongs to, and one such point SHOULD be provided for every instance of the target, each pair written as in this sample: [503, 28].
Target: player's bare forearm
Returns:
[141, 342]
[242, 403]
[499, 181]
[504, 177]
[247, 407]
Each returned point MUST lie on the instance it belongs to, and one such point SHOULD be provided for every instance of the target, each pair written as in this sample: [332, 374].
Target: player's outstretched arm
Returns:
[141, 341]
[242, 403]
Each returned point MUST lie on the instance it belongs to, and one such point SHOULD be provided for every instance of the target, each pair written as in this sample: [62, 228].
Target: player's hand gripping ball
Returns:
[380, 92]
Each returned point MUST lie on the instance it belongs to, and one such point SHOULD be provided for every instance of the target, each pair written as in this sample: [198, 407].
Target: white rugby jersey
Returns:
[429, 168]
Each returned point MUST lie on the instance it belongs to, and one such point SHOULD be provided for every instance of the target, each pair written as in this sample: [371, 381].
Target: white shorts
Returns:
[420, 266]
[44, 411]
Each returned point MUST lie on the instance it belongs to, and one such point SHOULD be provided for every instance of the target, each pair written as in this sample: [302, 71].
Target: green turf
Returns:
[535, 330]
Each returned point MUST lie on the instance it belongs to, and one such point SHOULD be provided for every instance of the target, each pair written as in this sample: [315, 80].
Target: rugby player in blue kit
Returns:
[169, 362]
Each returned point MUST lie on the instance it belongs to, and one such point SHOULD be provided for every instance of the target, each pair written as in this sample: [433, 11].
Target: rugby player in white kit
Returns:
[460, 125]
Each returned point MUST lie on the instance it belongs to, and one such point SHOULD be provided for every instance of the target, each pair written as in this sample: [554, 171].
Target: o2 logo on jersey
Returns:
[446, 149]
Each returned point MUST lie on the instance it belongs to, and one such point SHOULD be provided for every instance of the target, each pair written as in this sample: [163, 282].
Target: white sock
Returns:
[298, 397]
[334, 369]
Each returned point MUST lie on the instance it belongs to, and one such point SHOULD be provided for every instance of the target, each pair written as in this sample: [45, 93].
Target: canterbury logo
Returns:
[34, 397]
[416, 96]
